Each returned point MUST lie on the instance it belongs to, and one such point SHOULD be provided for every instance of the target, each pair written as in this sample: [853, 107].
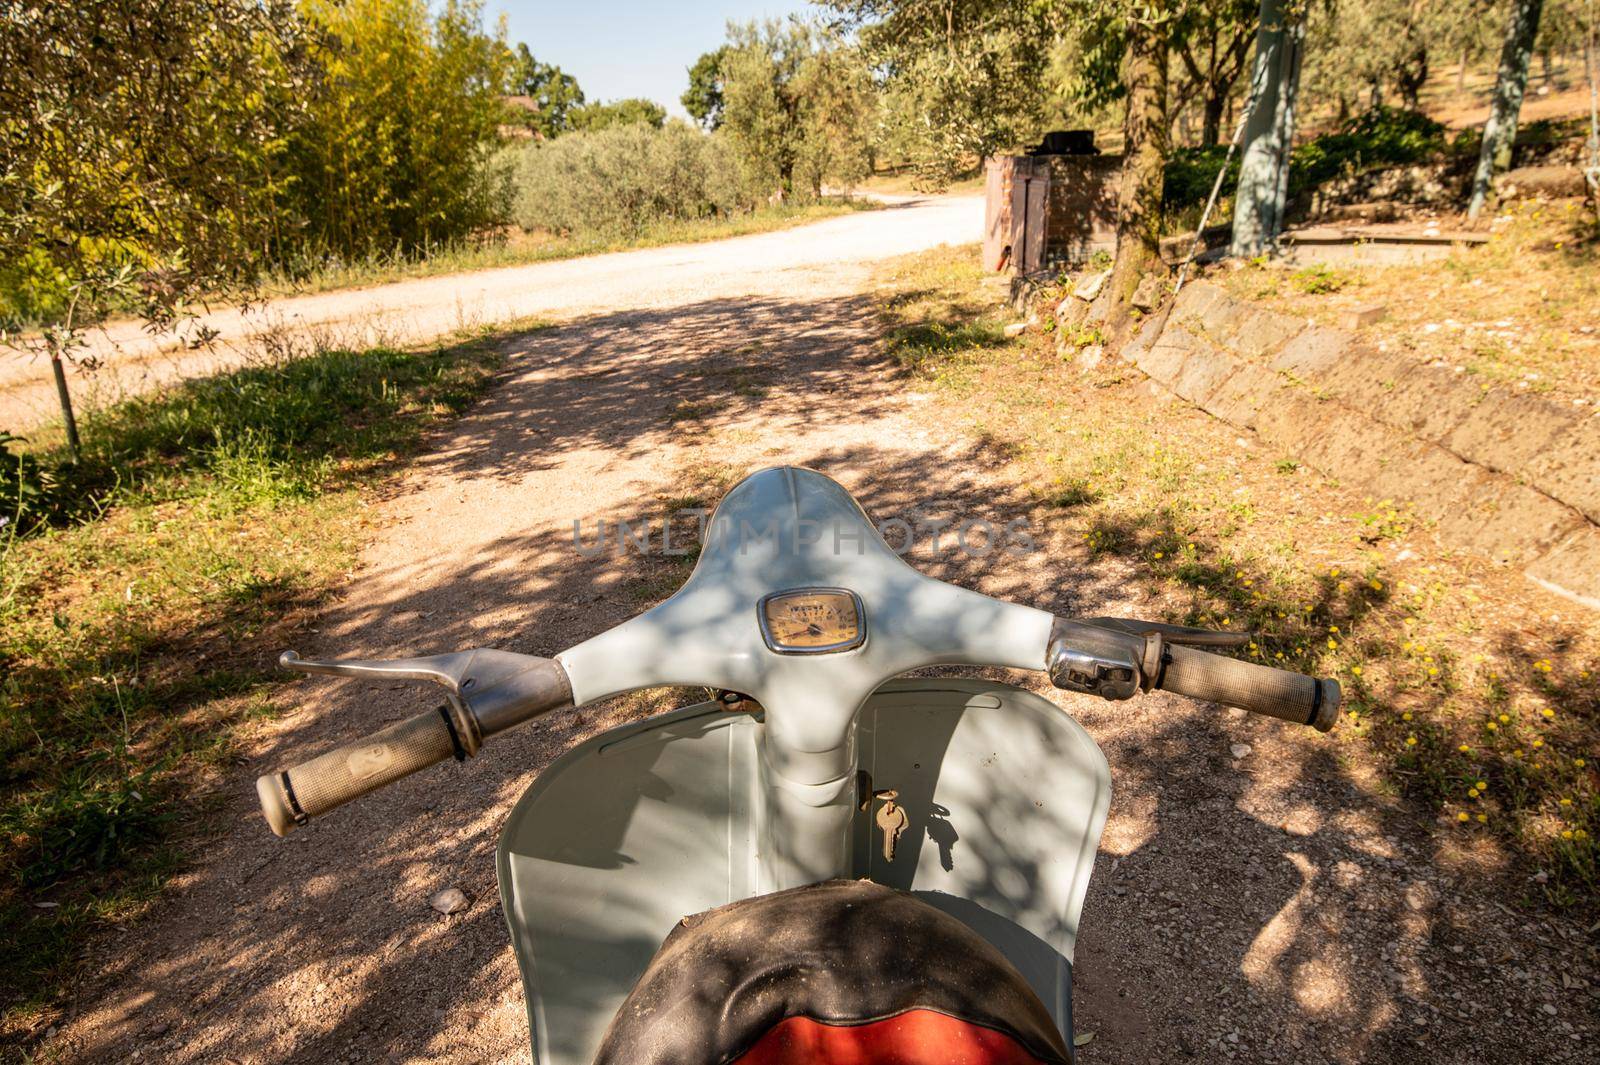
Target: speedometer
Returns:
[812, 621]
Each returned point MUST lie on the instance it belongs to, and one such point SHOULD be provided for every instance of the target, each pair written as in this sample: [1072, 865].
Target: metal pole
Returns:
[1591, 59]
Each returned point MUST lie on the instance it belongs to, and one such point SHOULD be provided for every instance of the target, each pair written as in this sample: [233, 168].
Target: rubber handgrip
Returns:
[1274, 692]
[289, 798]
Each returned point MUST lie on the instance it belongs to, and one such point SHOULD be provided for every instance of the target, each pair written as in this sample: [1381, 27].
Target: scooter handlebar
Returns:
[1117, 658]
[292, 797]
[490, 691]
[1261, 689]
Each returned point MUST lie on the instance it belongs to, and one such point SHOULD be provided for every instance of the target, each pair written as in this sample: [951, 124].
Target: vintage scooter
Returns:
[830, 862]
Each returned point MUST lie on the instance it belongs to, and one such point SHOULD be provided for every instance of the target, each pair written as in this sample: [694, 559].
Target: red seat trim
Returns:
[916, 1037]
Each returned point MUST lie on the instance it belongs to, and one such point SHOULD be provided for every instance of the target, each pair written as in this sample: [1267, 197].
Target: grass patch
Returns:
[1517, 311]
[136, 621]
[946, 316]
[1461, 693]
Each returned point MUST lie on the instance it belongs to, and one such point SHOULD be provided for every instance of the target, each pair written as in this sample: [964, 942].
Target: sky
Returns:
[618, 48]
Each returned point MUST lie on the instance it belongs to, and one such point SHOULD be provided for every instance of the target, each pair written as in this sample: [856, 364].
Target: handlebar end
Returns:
[275, 804]
[1327, 712]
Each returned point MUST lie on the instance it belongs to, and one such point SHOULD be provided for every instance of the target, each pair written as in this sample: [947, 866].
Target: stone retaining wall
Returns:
[1503, 473]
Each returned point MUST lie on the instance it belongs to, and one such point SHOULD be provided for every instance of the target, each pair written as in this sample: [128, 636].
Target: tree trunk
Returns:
[1259, 203]
[1412, 76]
[1461, 72]
[1500, 131]
[58, 370]
[1144, 159]
[1211, 129]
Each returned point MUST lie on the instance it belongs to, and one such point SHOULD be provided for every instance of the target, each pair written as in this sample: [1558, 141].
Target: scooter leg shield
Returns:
[1005, 796]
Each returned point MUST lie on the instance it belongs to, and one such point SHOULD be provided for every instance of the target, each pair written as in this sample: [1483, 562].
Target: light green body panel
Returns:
[629, 832]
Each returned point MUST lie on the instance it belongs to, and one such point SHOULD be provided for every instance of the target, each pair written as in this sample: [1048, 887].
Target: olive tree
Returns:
[142, 157]
[796, 107]
[962, 79]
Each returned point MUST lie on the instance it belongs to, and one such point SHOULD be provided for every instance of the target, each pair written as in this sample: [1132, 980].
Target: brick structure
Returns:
[1047, 211]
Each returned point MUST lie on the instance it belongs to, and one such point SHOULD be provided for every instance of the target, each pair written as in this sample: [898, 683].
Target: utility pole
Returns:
[1263, 192]
[1500, 131]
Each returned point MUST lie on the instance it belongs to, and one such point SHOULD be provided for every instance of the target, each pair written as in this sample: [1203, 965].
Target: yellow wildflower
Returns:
[1411, 741]
[1579, 762]
[1483, 785]
[1547, 713]
[1483, 818]
[1463, 816]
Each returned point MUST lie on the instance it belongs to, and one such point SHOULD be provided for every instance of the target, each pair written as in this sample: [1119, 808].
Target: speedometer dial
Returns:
[812, 621]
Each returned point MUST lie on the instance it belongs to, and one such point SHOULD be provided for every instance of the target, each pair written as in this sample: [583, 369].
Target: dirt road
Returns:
[132, 360]
[1262, 904]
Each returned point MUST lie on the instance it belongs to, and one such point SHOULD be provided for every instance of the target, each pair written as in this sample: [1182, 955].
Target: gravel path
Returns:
[132, 360]
[1264, 904]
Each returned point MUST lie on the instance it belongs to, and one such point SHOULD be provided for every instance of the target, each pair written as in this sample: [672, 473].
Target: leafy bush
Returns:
[620, 181]
[1382, 137]
[91, 821]
[25, 488]
[1190, 174]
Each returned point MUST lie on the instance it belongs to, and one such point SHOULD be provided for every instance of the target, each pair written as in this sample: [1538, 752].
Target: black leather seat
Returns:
[842, 952]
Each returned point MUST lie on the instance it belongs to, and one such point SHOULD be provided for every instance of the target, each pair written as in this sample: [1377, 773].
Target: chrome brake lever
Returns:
[490, 689]
[459, 672]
